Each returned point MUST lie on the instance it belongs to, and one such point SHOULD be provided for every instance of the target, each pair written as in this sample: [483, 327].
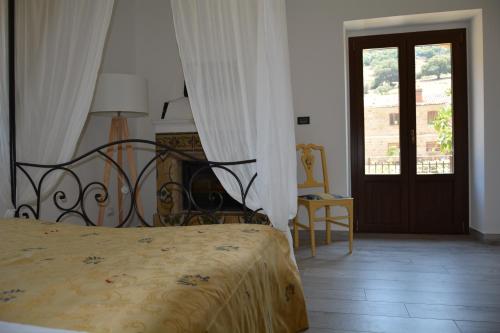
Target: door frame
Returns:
[407, 120]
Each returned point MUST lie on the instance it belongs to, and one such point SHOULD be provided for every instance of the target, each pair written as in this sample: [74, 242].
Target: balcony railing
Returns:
[426, 165]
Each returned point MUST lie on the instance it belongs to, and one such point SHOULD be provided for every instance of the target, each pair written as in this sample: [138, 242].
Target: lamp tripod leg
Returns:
[133, 169]
[119, 178]
[119, 131]
[107, 168]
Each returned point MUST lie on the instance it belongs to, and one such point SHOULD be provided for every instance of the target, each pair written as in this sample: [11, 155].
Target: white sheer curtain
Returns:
[59, 44]
[4, 112]
[235, 60]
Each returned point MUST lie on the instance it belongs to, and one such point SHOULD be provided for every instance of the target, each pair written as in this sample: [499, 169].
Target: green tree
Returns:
[443, 126]
[384, 88]
[385, 71]
[429, 51]
[371, 57]
[437, 65]
[393, 151]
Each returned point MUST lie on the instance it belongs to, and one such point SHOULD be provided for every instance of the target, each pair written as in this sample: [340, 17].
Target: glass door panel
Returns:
[434, 109]
[381, 111]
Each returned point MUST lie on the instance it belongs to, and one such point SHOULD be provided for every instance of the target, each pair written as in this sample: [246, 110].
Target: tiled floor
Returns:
[403, 284]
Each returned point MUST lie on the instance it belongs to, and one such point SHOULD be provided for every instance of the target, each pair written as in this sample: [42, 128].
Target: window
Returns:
[394, 118]
[431, 116]
[432, 147]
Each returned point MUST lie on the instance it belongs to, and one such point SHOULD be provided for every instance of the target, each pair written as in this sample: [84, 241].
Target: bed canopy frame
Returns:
[78, 206]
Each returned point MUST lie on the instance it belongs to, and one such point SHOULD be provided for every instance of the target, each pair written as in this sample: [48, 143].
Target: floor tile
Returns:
[403, 284]
[354, 322]
[478, 327]
[474, 313]
[357, 307]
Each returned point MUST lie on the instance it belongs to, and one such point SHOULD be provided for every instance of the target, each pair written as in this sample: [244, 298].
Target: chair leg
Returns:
[311, 230]
[350, 212]
[295, 233]
[328, 225]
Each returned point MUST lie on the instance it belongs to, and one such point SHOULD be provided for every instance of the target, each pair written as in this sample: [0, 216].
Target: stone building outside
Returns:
[382, 120]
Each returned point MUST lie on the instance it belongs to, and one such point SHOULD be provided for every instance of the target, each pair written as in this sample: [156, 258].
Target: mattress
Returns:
[217, 278]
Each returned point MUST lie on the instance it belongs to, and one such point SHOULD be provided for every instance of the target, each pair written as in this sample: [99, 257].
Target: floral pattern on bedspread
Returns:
[215, 278]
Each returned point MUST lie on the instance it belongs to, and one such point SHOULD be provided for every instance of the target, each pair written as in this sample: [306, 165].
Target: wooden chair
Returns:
[320, 200]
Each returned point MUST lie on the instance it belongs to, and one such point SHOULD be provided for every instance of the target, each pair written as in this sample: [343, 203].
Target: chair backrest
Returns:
[308, 158]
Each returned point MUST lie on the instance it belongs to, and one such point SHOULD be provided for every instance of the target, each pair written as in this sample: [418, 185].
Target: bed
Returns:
[209, 278]
[187, 278]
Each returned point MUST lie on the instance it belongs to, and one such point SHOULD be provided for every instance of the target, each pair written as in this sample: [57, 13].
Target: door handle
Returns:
[412, 136]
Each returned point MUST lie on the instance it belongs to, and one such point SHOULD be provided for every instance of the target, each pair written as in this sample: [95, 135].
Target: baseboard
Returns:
[320, 236]
[340, 235]
[484, 238]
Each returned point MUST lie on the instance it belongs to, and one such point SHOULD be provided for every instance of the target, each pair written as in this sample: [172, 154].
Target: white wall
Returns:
[142, 41]
[315, 30]
[491, 21]
[477, 184]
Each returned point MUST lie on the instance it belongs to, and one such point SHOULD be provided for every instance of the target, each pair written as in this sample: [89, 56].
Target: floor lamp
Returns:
[120, 96]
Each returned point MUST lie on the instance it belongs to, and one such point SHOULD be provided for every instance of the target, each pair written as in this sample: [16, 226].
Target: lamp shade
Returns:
[124, 93]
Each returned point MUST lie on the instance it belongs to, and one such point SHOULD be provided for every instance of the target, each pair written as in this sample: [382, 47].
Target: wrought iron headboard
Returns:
[78, 207]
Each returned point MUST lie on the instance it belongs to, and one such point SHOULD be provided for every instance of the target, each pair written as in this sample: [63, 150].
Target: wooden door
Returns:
[408, 95]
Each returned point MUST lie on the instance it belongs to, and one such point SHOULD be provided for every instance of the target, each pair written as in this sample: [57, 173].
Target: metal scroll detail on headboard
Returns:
[83, 190]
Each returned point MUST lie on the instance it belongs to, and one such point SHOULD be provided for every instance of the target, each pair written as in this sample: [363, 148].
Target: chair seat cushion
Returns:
[323, 196]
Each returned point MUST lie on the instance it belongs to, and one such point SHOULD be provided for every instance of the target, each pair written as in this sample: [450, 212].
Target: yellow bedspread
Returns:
[218, 278]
